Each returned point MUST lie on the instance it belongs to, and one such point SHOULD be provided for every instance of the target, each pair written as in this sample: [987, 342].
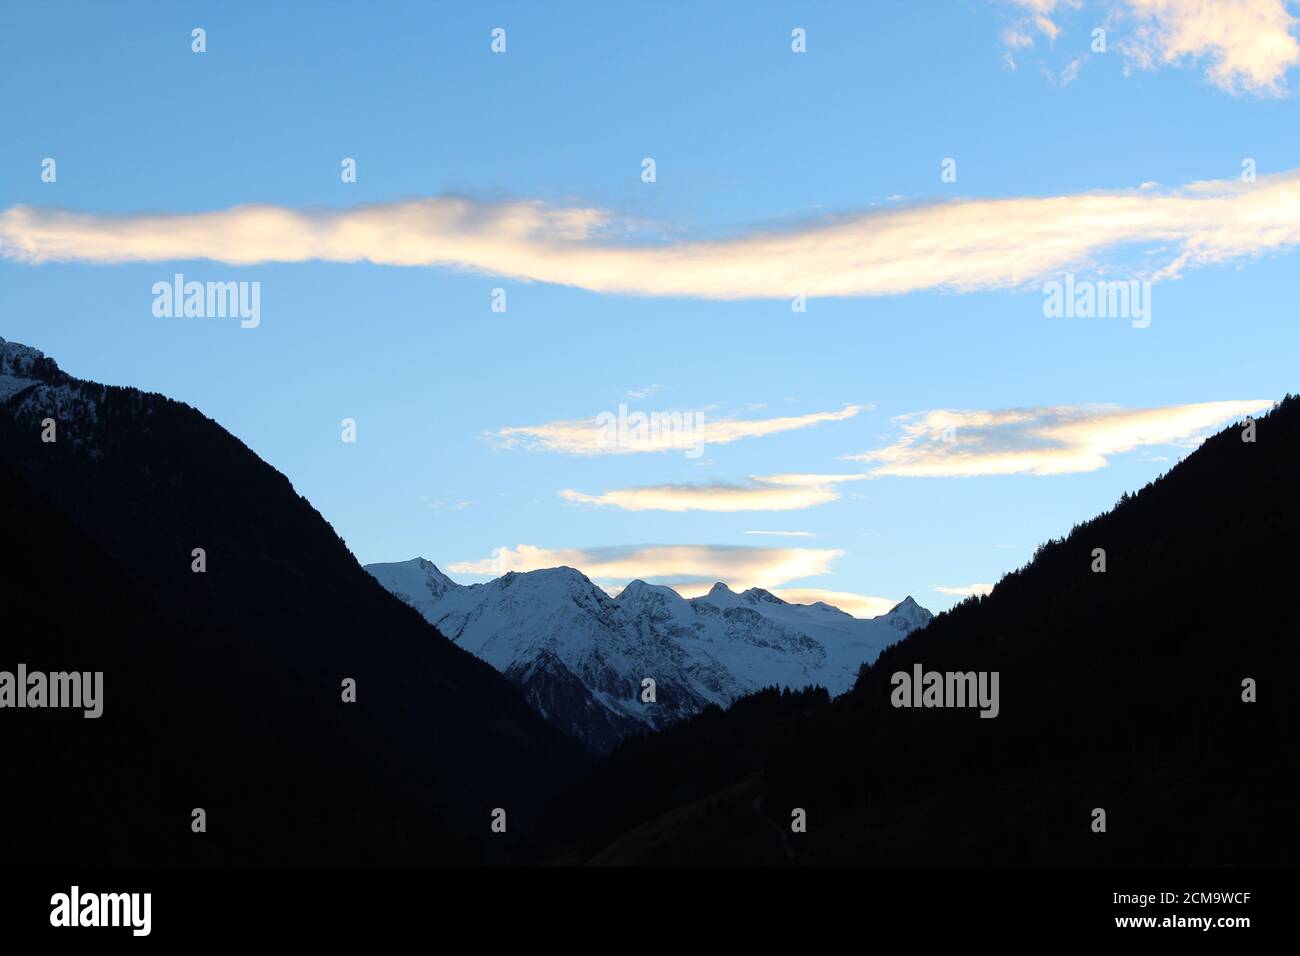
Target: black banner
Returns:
[379, 904]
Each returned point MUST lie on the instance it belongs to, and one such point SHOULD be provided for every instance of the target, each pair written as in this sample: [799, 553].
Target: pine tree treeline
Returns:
[1120, 690]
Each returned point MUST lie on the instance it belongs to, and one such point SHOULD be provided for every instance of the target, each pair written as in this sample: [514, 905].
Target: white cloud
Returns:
[444, 505]
[1052, 440]
[592, 436]
[645, 392]
[1038, 16]
[1071, 71]
[961, 245]
[1249, 44]
[1016, 39]
[689, 568]
[761, 493]
[859, 605]
[964, 590]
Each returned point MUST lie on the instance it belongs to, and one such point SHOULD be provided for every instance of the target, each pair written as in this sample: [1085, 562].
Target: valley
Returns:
[580, 656]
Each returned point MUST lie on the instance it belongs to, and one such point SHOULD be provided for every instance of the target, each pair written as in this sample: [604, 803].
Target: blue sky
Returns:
[661, 296]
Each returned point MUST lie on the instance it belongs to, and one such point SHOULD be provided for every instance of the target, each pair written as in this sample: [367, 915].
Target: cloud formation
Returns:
[858, 605]
[1250, 44]
[967, 245]
[964, 590]
[760, 493]
[642, 393]
[689, 568]
[1053, 440]
[1038, 16]
[624, 433]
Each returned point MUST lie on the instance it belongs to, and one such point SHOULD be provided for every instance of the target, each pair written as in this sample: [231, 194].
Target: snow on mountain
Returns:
[35, 382]
[419, 582]
[908, 616]
[17, 367]
[581, 657]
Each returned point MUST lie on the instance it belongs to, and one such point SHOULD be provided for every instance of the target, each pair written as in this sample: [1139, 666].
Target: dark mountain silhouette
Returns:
[222, 690]
[702, 771]
[1119, 690]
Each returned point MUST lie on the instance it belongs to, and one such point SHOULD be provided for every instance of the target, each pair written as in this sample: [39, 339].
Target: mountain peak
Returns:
[562, 574]
[634, 590]
[169, 467]
[17, 359]
[573, 650]
[439, 583]
[754, 595]
[21, 365]
[414, 581]
[549, 584]
[640, 592]
[908, 614]
[22, 368]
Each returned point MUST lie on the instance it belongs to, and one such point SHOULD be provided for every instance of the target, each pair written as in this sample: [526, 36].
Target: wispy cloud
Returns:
[1071, 71]
[858, 605]
[639, 393]
[1051, 440]
[964, 590]
[445, 505]
[961, 245]
[1249, 44]
[760, 493]
[1037, 16]
[1016, 39]
[689, 568]
[592, 436]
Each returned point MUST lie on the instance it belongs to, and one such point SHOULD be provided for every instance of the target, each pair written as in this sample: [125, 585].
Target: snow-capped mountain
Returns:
[35, 382]
[20, 368]
[581, 656]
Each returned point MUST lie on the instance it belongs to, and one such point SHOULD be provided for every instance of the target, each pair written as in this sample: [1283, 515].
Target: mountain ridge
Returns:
[556, 624]
[222, 688]
[1141, 691]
